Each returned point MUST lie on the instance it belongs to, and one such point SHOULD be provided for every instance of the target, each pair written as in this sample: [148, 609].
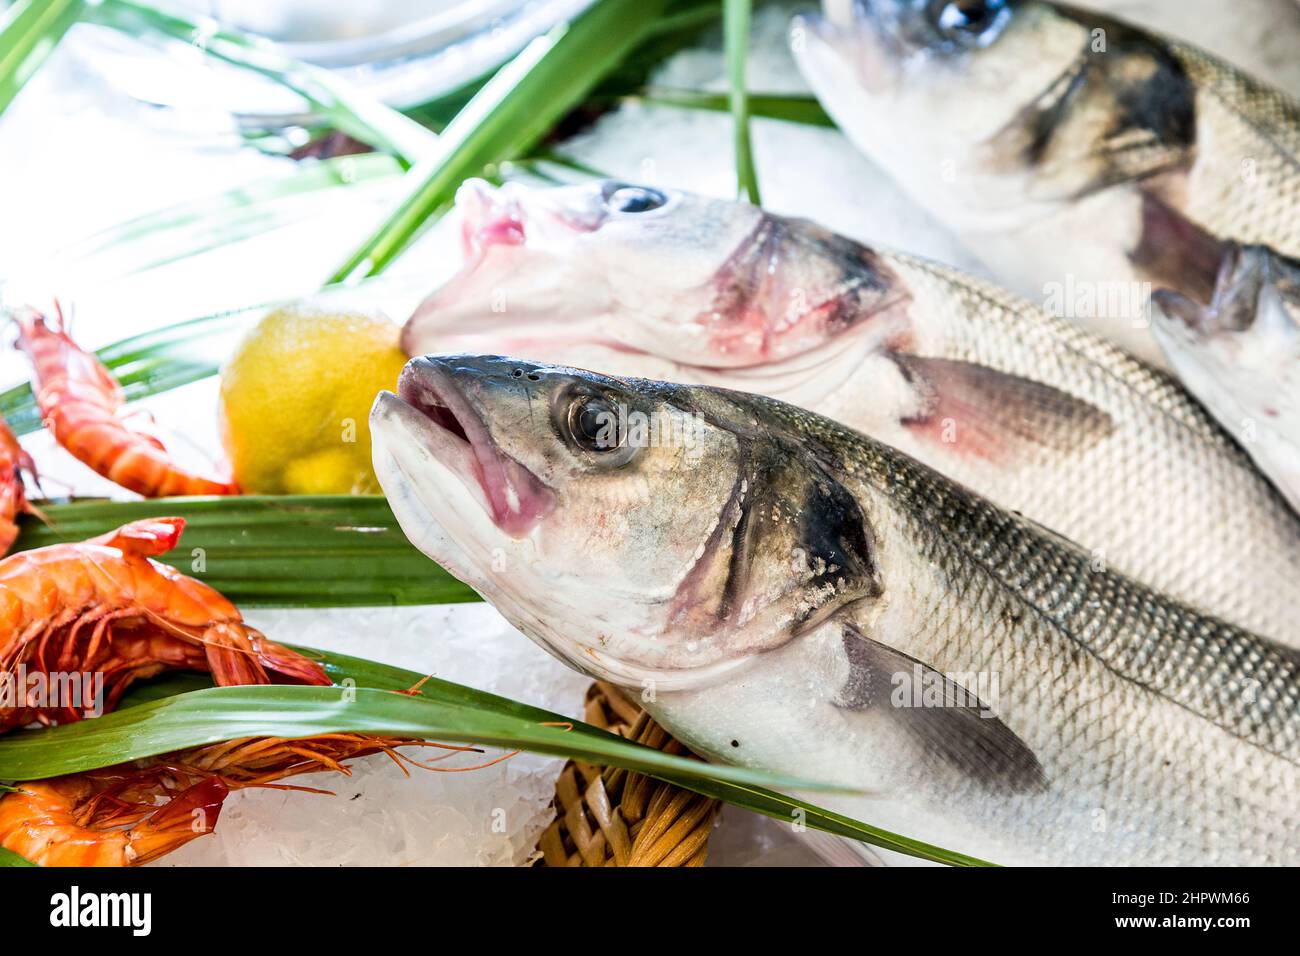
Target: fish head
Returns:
[1240, 353]
[944, 94]
[642, 279]
[640, 531]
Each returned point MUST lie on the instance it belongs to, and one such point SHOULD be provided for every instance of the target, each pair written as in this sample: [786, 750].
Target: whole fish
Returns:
[1240, 355]
[1024, 408]
[782, 592]
[1082, 158]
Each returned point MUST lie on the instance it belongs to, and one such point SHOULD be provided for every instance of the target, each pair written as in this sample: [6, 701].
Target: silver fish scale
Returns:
[1251, 188]
[1243, 683]
[1169, 500]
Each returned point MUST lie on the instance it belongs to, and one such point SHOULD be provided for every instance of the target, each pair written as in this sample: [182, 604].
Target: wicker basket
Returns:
[605, 816]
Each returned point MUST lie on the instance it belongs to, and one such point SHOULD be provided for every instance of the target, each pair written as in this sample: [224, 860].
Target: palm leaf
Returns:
[10, 858]
[337, 102]
[507, 117]
[440, 710]
[275, 551]
[789, 107]
[153, 362]
[192, 228]
[29, 32]
[736, 17]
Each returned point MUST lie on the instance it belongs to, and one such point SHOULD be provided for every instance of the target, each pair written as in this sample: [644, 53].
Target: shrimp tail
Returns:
[148, 538]
[191, 813]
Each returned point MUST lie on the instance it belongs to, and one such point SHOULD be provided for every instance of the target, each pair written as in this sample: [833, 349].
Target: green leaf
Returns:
[216, 714]
[736, 17]
[275, 551]
[29, 32]
[10, 858]
[192, 228]
[338, 103]
[507, 117]
[442, 710]
[791, 108]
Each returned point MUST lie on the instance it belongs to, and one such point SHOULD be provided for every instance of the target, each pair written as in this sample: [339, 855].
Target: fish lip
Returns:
[489, 217]
[490, 222]
[504, 233]
[514, 497]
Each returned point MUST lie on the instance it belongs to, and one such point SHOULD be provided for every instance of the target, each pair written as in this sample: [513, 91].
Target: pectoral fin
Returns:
[951, 724]
[984, 413]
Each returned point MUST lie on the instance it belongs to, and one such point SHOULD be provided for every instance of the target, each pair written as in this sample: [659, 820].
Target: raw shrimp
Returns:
[103, 608]
[131, 814]
[71, 821]
[13, 499]
[81, 404]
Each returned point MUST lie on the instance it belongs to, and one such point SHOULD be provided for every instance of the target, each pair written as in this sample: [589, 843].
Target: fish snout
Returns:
[473, 374]
[489, 217]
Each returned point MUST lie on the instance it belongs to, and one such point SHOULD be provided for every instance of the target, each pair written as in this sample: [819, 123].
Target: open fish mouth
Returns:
[436, 412]
[489, 217]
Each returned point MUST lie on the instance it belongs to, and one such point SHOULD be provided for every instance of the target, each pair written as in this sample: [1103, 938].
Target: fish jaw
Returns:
[428, 477]
[519, 267]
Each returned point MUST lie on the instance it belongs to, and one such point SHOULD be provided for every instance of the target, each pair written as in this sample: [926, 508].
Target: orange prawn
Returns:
[13, 499]
[103, 607]
[81, 404]
[131, 814]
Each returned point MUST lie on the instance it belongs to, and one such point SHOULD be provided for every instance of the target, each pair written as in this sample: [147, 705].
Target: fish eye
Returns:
[969, 22]
[632, 199]
[594, 425]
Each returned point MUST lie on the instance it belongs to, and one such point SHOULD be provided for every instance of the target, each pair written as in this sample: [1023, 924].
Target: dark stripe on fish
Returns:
[1137, 83]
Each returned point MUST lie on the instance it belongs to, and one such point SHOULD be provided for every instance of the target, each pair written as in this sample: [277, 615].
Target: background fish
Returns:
[1026, 409]
[1240, 355]
[784, 593]
[1078, 156]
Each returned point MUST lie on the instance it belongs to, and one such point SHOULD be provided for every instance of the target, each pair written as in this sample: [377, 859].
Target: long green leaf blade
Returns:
[10, 858]
[788, 107]
[192, 228]
[508, 116]
[269, 710]
[440, 711]
[338, 102]
[153, 362]
[365, 673]
[736, 17]
[275, 551]
[29, 32]
[148, 363]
